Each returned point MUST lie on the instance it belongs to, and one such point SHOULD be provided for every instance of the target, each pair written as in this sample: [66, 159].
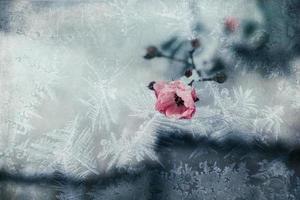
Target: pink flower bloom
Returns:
[231, 24]
[175, 99]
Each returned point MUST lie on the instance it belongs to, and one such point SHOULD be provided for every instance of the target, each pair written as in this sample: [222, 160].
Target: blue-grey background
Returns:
[78, 122]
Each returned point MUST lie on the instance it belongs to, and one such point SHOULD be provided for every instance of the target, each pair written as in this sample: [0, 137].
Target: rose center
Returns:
[178, 100]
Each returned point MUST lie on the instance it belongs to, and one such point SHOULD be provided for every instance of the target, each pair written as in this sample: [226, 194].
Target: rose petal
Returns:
[186, 97]
[158, 86]
[177, 85]
[175, 111]
[188, 114]
[164, 101]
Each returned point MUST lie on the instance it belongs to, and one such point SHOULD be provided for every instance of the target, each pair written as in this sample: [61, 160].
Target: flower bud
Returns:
[152, 52]
[195, 43]
[231, 24]
[220, 77]
[188, 73]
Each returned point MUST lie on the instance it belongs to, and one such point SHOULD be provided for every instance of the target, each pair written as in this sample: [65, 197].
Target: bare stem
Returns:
[191, 53]
[206, 79]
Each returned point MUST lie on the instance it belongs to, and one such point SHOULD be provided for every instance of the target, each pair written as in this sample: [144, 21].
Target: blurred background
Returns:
[78, 122]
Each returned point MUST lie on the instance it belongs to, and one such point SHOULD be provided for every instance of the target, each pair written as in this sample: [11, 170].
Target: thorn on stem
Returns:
[191, 83]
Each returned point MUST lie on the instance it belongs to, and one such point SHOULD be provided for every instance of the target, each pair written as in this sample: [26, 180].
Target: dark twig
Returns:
[191, 53]
[219, 78]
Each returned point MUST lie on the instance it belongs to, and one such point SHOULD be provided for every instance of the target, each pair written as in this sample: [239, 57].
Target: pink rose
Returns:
[175, 99]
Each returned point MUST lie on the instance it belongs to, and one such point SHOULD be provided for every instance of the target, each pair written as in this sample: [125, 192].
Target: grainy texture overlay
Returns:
[77, 120]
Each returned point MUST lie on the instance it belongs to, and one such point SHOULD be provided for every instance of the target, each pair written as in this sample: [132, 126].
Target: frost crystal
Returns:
[75, 103]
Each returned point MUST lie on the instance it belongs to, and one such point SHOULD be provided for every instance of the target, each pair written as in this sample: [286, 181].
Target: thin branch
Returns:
[191, 53]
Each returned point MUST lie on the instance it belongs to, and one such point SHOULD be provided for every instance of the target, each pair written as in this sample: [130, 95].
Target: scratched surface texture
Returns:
[77, 120]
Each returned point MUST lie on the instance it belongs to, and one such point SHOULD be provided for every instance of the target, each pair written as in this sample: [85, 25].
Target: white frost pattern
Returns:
[232, 182]
[115, 126]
